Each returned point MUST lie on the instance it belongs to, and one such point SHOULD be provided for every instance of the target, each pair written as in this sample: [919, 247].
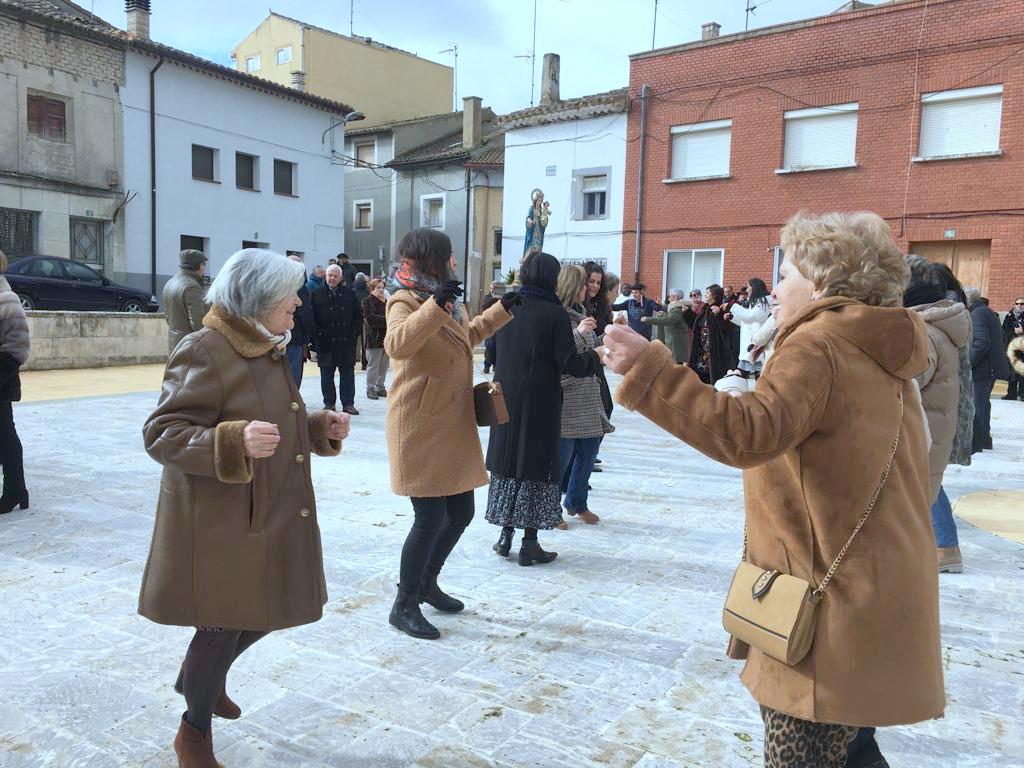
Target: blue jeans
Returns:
[580, 452]
[296, 358]
[943, 522]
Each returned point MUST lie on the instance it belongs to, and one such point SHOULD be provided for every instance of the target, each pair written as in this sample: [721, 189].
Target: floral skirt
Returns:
[523, 503]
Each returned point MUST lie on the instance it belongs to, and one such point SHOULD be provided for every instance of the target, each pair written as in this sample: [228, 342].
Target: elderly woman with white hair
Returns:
[236, 548]
[836, 479]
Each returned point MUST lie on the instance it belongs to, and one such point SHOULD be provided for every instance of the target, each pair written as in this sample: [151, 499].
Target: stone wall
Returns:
[95, 339]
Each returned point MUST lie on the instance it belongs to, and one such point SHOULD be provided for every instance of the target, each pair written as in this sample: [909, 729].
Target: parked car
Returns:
[49, 282]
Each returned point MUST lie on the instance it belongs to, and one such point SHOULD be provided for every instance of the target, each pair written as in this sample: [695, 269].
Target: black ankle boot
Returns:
[406, 616]
[8, 503]
[530, 553]
[432, 595]
[504, 543]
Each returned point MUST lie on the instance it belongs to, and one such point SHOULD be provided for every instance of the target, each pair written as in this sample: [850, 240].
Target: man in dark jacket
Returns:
[337, 322]
[348, 272]
[302, 332]
[988, 363]
[637, 308]
[184, 305]
[1013, 328]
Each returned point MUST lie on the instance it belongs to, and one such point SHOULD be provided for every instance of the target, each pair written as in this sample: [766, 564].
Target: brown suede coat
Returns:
[813, 440]
[433, 443]
[236, 542]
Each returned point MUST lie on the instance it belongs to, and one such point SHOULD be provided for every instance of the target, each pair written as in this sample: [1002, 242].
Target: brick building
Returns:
[913, 109]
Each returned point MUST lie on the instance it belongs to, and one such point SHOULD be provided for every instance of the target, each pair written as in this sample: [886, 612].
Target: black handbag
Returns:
[489, 403]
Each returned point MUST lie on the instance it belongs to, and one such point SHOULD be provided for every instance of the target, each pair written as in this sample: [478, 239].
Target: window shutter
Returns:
[35, 115]
[54, 126]
[821, 138]
[595, 183]
[680, 271]
[707, 268]
[701, 150]
[961, 122]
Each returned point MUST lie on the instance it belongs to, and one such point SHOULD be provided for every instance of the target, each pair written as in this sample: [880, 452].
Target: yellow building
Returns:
[384, 83]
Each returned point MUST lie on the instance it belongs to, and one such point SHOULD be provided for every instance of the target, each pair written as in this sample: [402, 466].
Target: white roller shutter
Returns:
[962, 122]
[707, 268]
[687, 270]
[821, 138]
[701, 149]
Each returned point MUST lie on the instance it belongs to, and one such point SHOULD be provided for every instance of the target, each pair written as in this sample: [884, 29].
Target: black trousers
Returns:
[436, 529]
[982, 415]
[345, 365]
[1015, 388]
[11, 454]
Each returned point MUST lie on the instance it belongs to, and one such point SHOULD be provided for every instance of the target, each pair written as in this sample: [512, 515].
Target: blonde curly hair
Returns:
[848, 254]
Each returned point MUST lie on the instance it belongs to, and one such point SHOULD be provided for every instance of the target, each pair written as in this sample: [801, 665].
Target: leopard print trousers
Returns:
[793, 743]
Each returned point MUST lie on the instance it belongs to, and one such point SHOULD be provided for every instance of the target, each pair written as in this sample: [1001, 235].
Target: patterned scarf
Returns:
[279, 340]
[406, 278]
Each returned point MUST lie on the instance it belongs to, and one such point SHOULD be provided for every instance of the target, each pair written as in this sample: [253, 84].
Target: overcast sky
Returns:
[594, 37]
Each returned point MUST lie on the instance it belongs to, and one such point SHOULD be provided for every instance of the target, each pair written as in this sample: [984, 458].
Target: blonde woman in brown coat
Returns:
[433, 443]
[236, 547]
[813, 440]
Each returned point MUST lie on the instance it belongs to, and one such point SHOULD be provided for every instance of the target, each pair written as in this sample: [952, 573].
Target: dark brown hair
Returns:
[427, 250]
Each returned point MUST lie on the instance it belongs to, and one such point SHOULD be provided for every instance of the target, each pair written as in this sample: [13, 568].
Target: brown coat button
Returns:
[300, 458]
[303, 512]
[295, 406]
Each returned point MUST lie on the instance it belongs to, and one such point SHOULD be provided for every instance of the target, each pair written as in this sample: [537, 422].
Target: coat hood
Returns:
[894, 337]
[950, 317]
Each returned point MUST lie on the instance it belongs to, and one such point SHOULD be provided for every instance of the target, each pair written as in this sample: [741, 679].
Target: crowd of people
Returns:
[862, 369]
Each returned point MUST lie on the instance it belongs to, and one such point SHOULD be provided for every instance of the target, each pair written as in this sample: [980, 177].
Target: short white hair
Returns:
[677, 292]
[973, 295]
[336, 268]
[254, 281]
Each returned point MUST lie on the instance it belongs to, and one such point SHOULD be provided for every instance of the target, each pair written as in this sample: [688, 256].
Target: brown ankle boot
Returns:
[194, 750]
[224, 708]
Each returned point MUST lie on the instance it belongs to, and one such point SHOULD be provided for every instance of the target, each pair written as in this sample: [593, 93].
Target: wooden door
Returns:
[967, 258]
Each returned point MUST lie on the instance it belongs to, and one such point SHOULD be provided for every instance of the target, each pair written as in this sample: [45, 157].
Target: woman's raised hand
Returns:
[261, 439]
[622, 347]
[587, 325]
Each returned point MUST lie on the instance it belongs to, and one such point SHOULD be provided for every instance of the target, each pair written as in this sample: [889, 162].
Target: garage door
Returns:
[967, 258]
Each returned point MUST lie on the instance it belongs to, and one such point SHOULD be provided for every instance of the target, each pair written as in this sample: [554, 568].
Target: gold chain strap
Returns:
[820, 591]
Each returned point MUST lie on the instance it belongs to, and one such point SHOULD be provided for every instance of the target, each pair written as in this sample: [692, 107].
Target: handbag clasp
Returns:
[763, 584]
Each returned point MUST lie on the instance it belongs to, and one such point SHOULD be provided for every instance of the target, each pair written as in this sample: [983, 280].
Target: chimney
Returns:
[710, 30]
[138, 18]
[299, 80]
[471, 122]
[549, 79]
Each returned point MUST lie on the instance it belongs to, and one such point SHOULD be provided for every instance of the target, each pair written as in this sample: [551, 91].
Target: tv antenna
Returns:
[454, 51]
[751, 6]
[532, 55]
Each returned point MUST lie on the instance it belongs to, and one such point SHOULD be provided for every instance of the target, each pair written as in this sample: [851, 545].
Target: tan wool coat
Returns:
[236, 542]
[949, 327]
[433, 443]
[813, 440]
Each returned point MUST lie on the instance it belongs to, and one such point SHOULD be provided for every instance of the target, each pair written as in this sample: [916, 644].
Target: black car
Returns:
[48, 282]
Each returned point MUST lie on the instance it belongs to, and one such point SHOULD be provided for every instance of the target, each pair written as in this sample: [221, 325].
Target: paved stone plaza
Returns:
[610, 656]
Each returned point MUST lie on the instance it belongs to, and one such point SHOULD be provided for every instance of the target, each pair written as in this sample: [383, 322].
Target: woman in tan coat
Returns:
[236, 546]
[433, 443]
[814, 439]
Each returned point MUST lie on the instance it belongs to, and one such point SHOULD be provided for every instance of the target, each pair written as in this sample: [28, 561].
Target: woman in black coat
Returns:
[522, 455]
[711, 348]
[14, 349]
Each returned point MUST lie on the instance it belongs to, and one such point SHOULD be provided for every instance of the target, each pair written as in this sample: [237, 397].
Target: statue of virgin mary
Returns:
[536, 223]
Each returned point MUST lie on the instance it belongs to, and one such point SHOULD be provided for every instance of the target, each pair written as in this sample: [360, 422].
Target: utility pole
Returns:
[454, 51]
[351, 17]
[655, 30]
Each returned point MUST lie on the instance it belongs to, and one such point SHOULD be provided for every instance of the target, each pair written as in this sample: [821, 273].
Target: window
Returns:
[366, 153]
[47, 118]
[87, 240]
[81, 273]
[497, 241]
[284, 55]
[777, 264]
[820, 138]
[432, 211]
[701, 150]
[246, 171]
[193, 242]
[693, 269]
[252, 63]
[18, 231]
[204, 163]
[496, 274]
[50, 268]
[284, 177]
[962, 122]
[362, 214]
[595, 196]
[300, 254]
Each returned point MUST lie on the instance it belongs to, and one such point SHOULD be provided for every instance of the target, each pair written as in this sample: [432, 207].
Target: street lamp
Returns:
[351, 117]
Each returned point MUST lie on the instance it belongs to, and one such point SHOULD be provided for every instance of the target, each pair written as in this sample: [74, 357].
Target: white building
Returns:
[239, 161]
[575, 151]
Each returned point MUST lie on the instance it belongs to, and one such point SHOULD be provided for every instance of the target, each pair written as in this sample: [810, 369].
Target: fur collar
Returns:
[242, 335]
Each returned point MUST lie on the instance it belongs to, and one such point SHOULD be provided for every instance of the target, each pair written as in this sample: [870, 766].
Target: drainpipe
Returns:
[469, 212]
[152, 173]
[640, 180]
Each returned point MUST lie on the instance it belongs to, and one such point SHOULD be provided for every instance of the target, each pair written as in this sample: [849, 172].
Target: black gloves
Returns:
[447, 293]
[510, 300]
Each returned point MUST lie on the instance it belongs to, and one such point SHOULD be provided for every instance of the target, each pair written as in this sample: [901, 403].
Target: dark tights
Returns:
[529, 534]
[209, 657]
[436, 529]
